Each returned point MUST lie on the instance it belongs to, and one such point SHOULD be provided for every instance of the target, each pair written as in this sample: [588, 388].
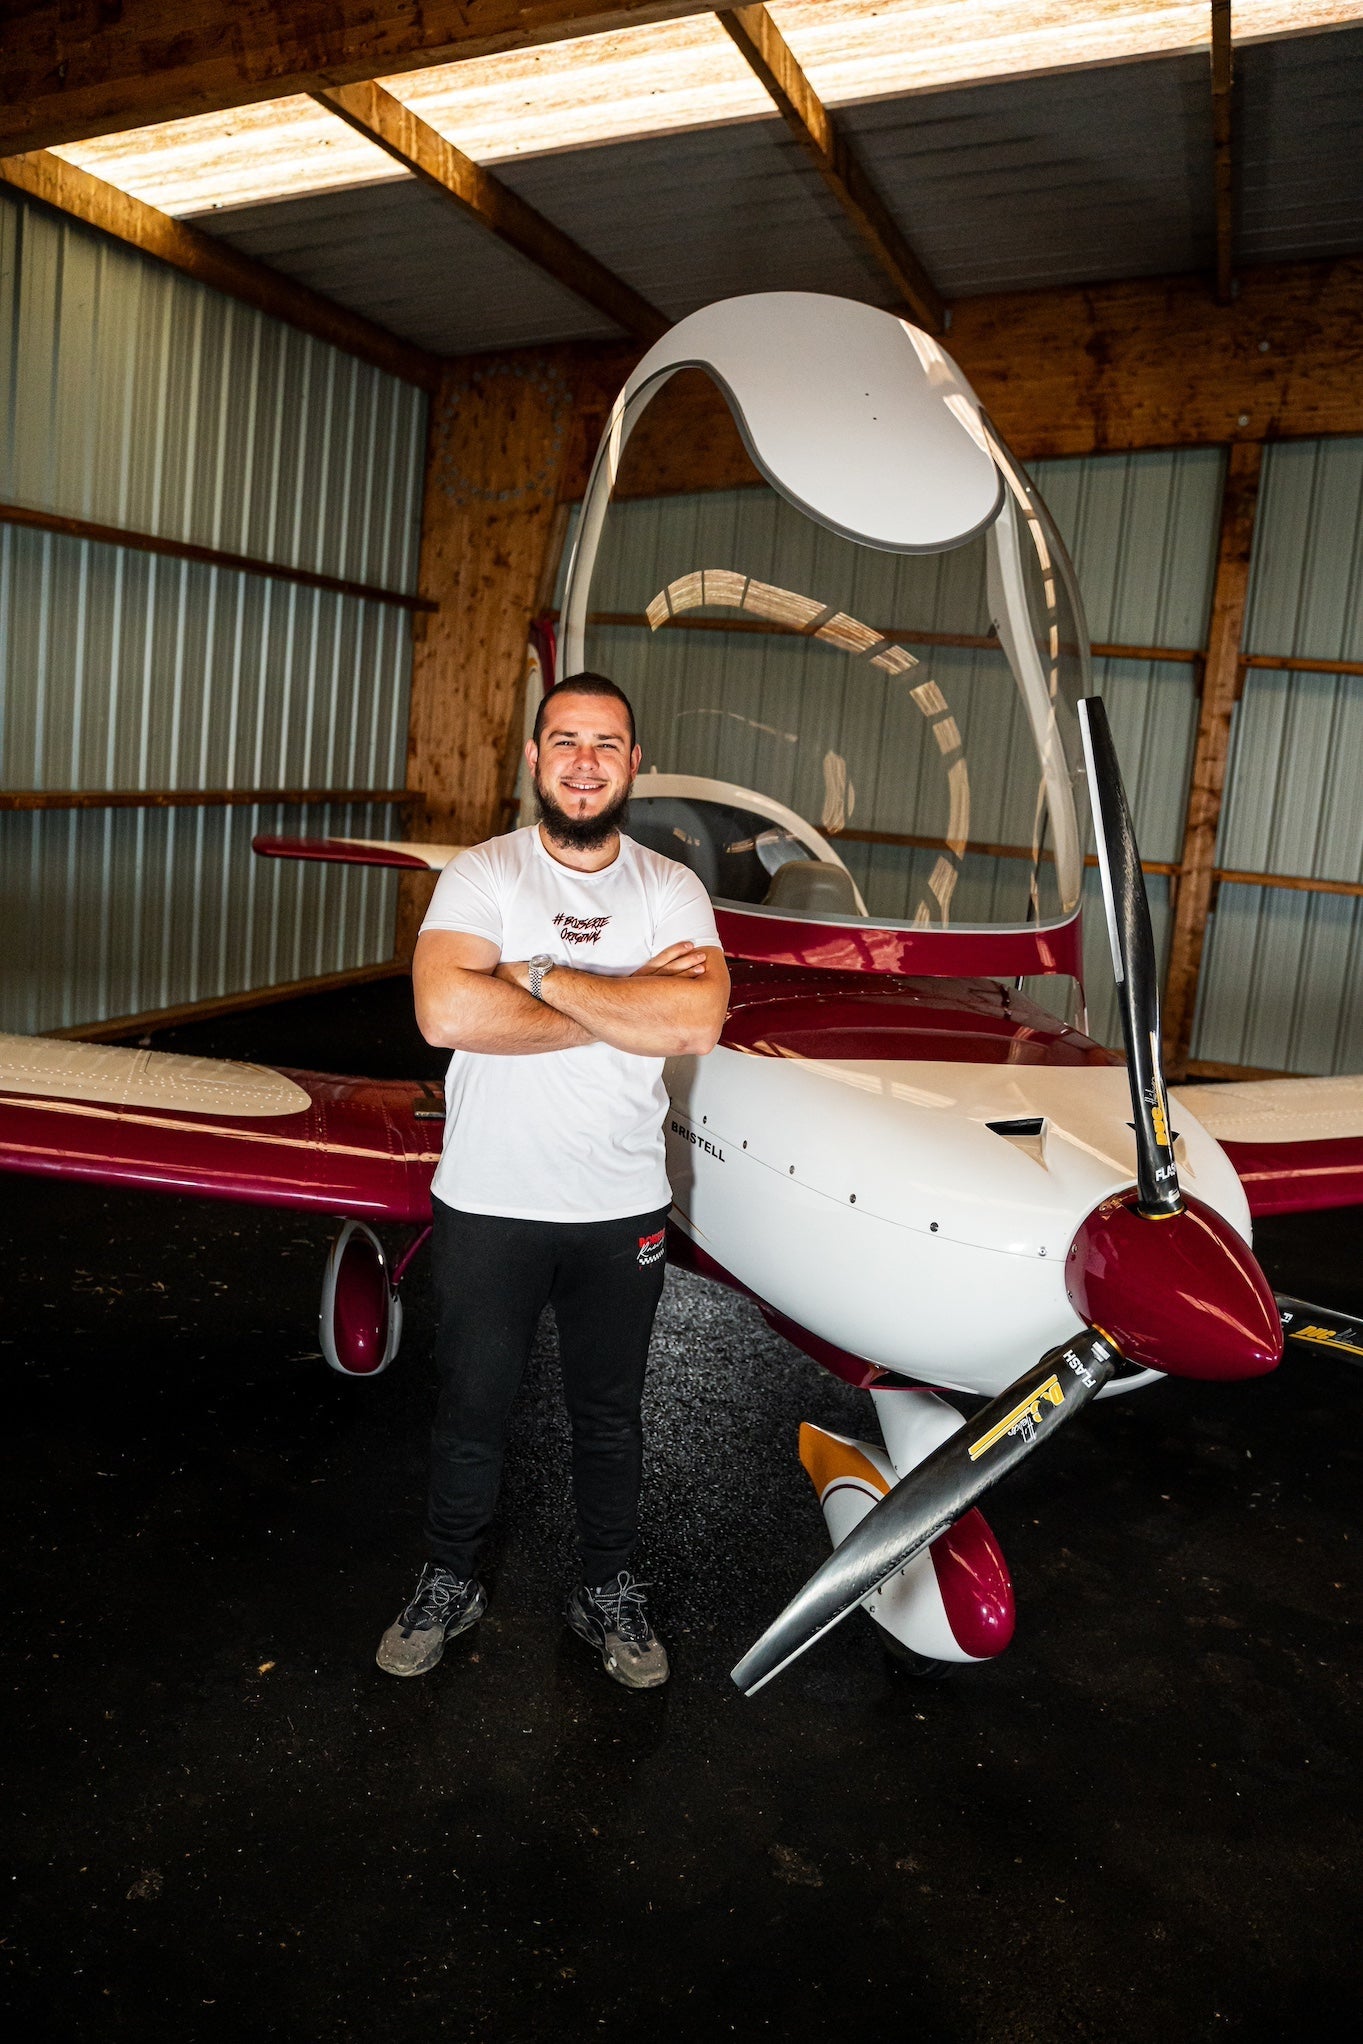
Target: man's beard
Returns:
[579, 834]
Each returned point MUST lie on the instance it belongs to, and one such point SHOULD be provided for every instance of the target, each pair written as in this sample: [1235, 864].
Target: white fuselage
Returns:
[870, 1202]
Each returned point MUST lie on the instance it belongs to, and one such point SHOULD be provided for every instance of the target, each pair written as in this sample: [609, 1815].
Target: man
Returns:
[560, 964]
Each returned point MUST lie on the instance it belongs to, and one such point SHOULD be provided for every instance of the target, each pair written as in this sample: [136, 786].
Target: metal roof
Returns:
[1073, 177]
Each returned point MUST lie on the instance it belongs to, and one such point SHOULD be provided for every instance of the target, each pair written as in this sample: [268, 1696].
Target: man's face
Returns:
[583, 767]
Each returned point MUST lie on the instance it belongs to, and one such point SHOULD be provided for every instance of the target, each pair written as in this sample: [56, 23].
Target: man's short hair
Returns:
[585, 685]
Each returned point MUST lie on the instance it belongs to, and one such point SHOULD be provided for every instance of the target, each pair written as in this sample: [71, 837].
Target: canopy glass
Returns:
[907, 716]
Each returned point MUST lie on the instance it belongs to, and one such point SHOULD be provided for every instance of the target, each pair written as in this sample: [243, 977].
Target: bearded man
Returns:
[560, 964]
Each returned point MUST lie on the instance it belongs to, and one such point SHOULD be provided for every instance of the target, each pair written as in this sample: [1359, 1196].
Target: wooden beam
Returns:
[421, 149]
[773, 61]
[1153, 363]
[500, 433]
[207, 556]
[72, 69]
[1220, 693]
[215, 263]
[22, 800]
[152, 1019]
[1221, 144]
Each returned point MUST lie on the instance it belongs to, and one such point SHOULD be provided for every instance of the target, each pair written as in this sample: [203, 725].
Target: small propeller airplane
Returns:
[889, 1124]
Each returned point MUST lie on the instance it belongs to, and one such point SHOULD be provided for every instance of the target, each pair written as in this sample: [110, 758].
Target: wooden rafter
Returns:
[1221, 143]
[1222, 680]
[421, 149]
[20, 801]
[206, 556]
[213, 262]
[72, 69]
[809, 121]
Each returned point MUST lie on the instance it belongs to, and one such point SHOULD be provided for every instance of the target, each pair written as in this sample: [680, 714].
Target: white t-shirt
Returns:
[562, 1135]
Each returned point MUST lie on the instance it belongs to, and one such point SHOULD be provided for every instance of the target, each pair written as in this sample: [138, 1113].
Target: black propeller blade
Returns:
[1133, 962]
[1321, 1327]
[932, 1497]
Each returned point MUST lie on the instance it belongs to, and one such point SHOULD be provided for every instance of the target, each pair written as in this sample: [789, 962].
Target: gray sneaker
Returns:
[614, 1618]
[441, 1608]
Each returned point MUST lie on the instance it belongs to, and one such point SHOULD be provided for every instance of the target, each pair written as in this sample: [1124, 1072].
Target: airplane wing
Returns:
[1297, 1144]
[409, 856]
[106, 1115]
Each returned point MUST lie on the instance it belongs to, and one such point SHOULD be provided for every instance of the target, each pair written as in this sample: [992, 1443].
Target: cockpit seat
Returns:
[812, 887]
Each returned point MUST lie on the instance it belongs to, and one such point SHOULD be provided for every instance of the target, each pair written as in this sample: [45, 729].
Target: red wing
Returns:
[1297, 1144]
[356, 1146]
[409, 856]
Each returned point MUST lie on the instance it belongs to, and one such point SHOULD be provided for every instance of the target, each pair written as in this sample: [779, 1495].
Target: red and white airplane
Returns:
[932, 1184]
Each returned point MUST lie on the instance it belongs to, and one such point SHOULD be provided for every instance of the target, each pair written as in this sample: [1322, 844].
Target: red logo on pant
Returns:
[651, 1248]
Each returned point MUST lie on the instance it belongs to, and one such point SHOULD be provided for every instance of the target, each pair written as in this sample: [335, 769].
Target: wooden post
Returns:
[1222, 165]
[500, 434]
[1221, 683]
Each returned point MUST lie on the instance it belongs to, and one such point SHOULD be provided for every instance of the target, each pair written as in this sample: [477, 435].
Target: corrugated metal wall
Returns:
[1142, 532]
[1282, 985]
[131, 396]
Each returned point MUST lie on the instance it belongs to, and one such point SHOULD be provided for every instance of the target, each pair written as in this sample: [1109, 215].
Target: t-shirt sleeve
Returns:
[466, 899]
[683, 912]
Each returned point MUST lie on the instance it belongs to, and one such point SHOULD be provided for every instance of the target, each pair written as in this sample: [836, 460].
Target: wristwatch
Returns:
[539, 965]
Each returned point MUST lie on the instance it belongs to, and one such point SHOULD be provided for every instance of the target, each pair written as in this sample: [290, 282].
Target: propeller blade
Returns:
[1133, 963]
[932, 1497]
[1321, 1327]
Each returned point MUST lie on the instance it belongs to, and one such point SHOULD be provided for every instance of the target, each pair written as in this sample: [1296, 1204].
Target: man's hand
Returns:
[464, 1001]
[672, 1006]
[677, 960]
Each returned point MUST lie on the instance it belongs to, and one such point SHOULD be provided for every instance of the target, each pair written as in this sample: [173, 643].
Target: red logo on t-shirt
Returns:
[651, 1248]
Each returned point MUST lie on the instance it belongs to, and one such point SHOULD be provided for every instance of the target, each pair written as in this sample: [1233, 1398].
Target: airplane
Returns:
[933, 1183]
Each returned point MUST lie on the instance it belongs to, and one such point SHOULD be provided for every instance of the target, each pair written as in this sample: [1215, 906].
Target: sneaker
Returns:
[441, 1608]
[615, 1619]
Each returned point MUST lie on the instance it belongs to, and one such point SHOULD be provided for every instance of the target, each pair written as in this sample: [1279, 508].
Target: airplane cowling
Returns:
[360, 1323]
[1180, 1293]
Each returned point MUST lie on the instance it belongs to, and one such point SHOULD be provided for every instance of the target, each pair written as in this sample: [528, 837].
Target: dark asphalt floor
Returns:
[222, 1821]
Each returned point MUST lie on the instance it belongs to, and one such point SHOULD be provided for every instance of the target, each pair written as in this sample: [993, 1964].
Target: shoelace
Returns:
[623, 1608]
[437, 1590]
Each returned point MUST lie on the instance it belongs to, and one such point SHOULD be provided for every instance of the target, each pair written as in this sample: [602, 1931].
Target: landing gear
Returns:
[920, 1666]
[360, 1323]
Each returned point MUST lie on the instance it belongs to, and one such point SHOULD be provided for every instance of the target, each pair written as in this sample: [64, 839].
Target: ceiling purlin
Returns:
[813, 127]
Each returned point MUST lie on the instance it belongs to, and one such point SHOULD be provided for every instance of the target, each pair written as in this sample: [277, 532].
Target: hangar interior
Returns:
[304, 358]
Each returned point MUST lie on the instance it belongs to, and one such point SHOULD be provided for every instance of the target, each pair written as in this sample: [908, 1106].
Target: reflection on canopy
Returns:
[807, 617]
[724, 587]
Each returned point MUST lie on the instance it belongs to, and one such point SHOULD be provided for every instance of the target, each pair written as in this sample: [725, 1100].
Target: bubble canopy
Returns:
[855, 672]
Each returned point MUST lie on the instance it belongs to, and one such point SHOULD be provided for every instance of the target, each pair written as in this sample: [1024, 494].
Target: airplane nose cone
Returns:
[1180, 1294]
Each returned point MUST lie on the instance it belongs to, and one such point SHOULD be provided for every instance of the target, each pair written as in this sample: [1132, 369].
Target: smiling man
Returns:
[560, 964]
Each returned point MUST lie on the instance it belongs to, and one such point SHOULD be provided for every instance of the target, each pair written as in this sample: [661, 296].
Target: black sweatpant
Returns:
[493, 1278]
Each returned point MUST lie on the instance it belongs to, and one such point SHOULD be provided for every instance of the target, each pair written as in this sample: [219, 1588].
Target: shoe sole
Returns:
[451, 1632]
[582, 1626]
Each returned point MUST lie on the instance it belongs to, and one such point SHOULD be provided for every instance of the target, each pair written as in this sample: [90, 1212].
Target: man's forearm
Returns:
[652, 1016]
[476, 1011]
